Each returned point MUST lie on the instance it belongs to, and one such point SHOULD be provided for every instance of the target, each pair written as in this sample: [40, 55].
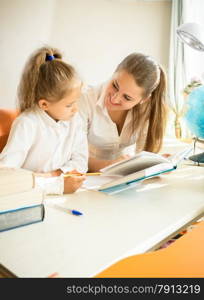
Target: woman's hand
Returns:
[166, 155]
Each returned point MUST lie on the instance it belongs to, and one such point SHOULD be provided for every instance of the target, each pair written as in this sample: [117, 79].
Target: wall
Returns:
[98, 34]
[93, 34]
[24, 25]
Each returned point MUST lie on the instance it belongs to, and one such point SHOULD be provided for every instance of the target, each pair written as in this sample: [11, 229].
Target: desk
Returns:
[182, 259]
[112, 227]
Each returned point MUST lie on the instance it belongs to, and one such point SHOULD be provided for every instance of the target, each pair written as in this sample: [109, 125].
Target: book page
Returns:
[179, 156]
[139, 175]
[137, 163]
[95, 182]
[157, 169]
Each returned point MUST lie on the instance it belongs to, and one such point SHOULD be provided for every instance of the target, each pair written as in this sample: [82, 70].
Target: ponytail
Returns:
[45, 76]
[157, 116]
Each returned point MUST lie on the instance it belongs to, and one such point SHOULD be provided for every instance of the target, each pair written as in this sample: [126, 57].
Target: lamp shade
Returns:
[192, 34]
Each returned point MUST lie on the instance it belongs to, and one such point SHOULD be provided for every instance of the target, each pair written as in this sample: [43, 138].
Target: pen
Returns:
[80, 174]
[64, 209]
[76, 212]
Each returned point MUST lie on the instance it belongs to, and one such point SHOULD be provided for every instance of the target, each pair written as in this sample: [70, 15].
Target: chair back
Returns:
[7, 116]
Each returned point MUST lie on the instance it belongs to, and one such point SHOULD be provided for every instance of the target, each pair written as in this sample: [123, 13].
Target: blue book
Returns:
[143, 165]
[20, 209]
[21, 216]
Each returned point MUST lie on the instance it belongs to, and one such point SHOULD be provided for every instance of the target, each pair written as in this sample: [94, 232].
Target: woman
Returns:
[128, 110]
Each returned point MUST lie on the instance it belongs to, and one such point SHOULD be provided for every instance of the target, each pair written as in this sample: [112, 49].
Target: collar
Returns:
[100, 101]
[49, 120]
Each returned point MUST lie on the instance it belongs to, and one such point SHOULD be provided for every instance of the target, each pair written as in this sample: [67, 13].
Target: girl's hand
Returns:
[72, 183]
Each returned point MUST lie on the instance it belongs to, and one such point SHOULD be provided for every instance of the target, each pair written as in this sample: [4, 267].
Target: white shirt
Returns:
[103, 138]
[40, 144]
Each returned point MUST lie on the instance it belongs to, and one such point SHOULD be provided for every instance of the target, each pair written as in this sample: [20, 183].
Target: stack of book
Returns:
[20, 202]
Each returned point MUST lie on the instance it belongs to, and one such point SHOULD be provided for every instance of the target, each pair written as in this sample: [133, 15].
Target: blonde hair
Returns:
[45, 76]
[152, 114]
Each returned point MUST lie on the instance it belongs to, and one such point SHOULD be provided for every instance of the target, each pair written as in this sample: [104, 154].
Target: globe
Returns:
[194, 117]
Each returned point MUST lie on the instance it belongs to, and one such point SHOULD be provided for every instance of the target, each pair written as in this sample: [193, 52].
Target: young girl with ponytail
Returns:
[129, 110]
[47, 136]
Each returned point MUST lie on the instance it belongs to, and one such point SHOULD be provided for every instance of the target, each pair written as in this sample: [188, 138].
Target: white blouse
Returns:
[103, 138]
[40, 144]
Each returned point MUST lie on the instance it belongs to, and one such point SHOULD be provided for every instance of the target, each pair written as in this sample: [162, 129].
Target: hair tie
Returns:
[49, 57]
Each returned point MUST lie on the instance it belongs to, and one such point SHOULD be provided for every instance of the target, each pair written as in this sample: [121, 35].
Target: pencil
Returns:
[80, 174]
[92, 174]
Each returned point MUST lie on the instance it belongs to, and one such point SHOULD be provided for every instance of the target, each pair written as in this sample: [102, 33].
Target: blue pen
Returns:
[76, 212]
[66, 210]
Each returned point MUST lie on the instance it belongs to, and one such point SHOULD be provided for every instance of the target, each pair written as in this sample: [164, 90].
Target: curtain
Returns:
[193, 11]
[185, 64]
[176, 73]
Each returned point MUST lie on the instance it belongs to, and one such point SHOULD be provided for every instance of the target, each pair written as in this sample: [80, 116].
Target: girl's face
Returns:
[65, 108]
[122, 93]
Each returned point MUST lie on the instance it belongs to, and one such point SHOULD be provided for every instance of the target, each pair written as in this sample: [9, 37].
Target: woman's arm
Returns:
[96, 164]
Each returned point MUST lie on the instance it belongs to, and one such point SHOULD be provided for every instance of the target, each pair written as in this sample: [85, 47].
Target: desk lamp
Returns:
[192, 34]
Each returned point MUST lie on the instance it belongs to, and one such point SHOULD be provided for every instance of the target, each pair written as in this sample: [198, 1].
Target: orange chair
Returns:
[182, 259]
[7, 117]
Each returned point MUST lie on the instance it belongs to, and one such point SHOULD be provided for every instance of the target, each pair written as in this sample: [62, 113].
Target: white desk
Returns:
[111, 228]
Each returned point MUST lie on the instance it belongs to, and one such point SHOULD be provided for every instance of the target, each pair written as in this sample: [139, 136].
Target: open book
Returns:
[124, 174]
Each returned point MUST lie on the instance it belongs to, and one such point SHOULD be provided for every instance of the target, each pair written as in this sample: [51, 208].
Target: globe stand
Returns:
[192, 35]
[199, 158]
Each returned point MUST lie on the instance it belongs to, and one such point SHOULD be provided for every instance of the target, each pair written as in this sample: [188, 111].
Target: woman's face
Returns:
[122, 93]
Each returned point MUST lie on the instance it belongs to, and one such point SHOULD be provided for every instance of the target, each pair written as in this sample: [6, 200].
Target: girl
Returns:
[47, 136]
[129, 110]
